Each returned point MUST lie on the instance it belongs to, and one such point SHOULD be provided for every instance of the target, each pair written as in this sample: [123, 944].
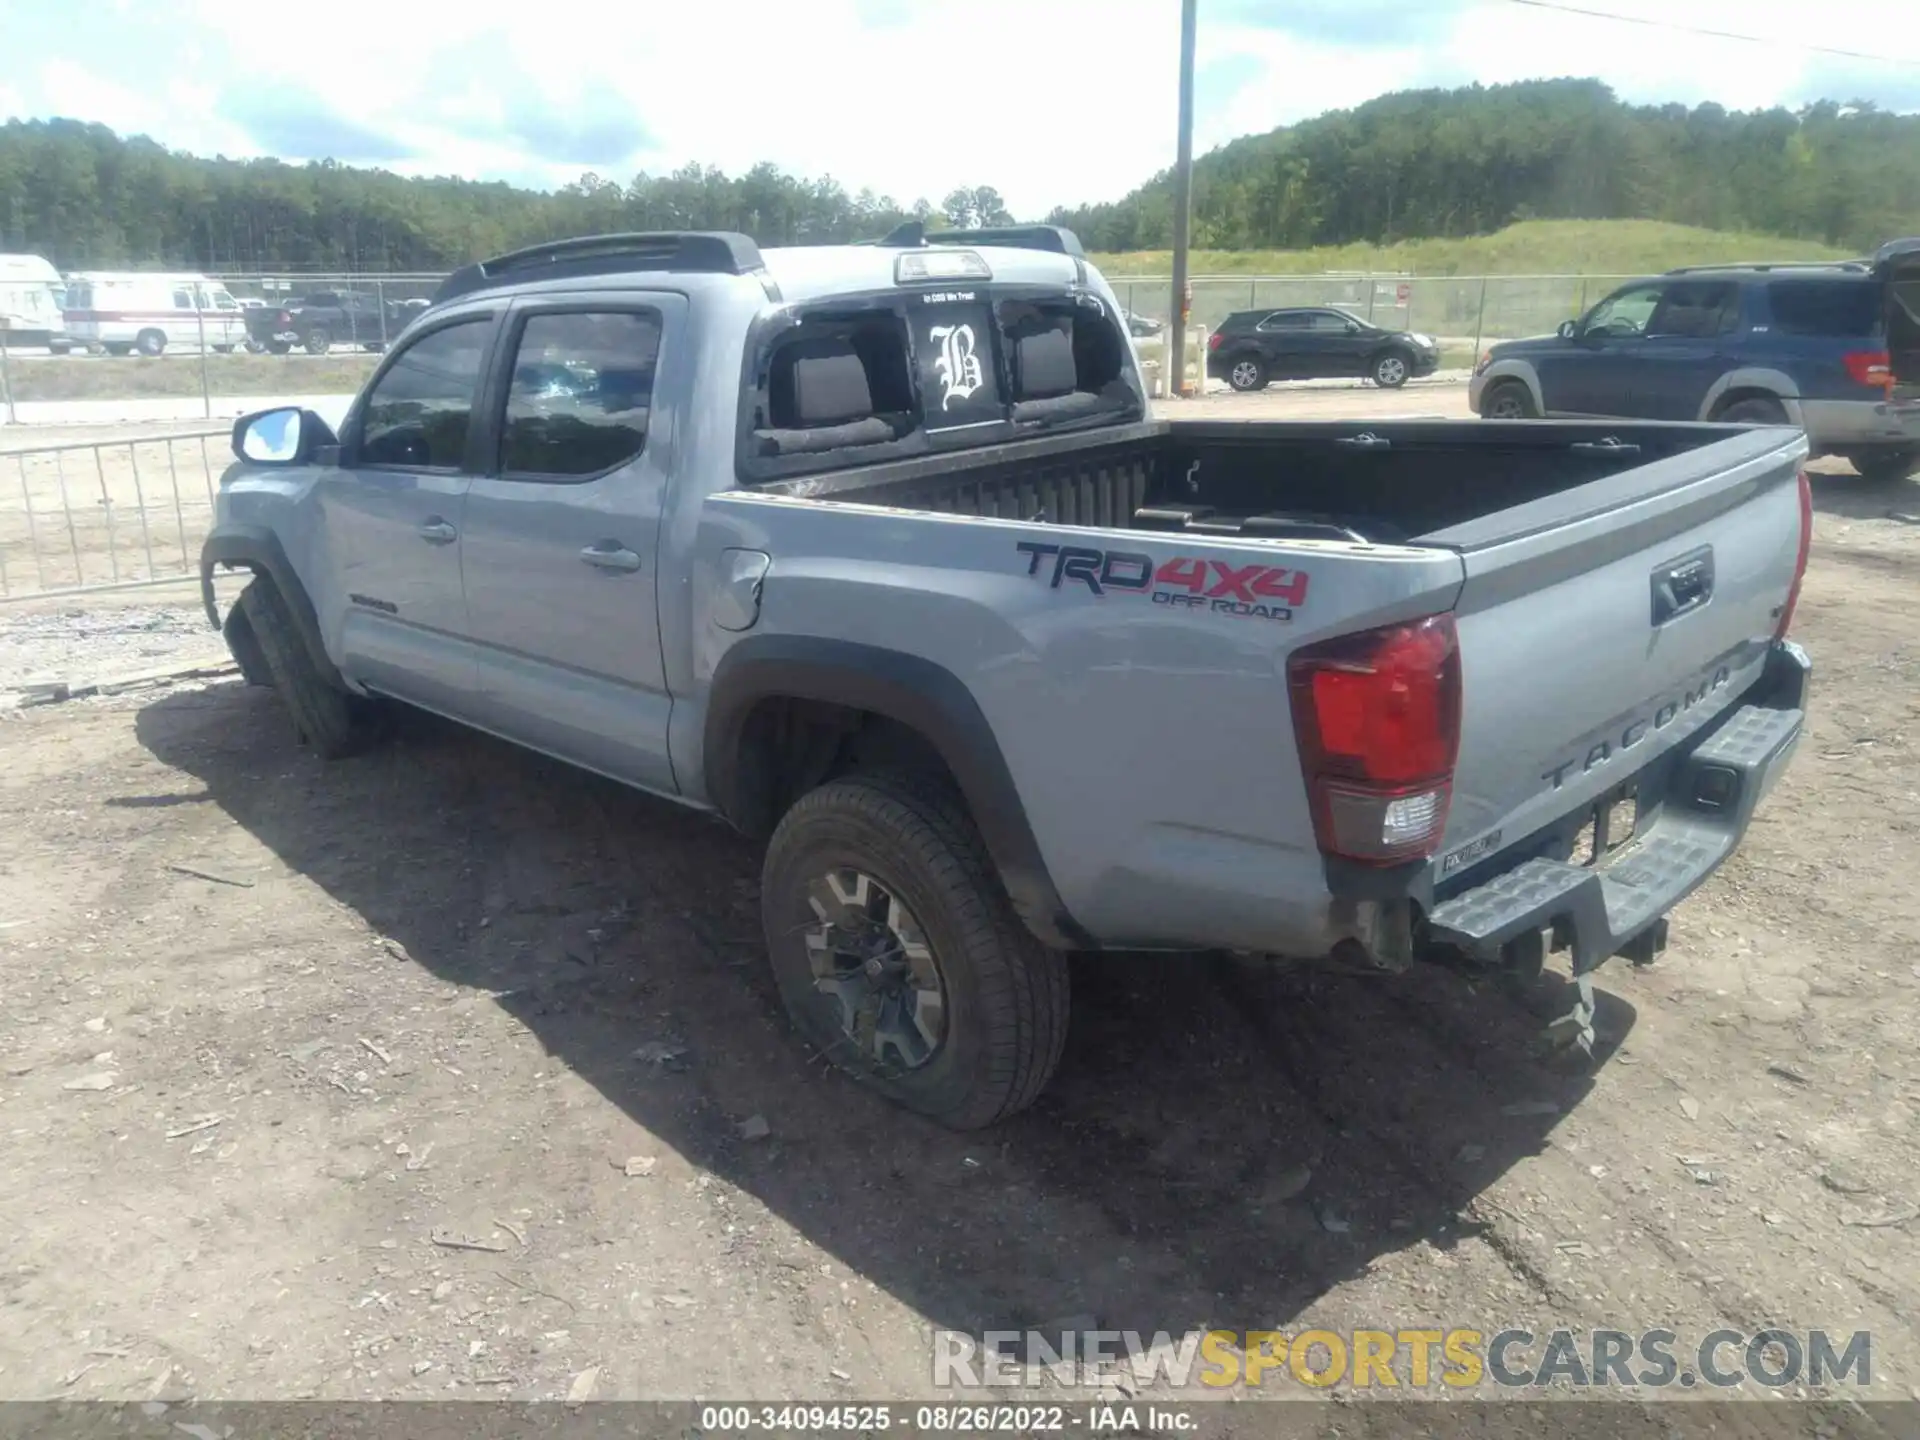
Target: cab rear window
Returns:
[1838, 307]
[889, 376]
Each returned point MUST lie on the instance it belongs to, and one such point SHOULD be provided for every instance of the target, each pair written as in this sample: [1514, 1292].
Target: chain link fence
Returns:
[1463, 312]
[314, 353]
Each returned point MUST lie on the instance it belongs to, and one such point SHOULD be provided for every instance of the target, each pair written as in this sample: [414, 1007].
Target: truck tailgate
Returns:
[1601, 627]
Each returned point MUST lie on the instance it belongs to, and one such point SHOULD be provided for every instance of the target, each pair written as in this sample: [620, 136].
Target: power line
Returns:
[1656, 24]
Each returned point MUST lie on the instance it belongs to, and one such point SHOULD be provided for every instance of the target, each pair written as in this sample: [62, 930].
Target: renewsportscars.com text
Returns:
[1415, 1359]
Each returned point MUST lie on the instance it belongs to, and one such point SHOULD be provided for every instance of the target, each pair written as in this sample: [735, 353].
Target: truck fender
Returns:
[1775, 383]
[1516, 369]
[256, 548]
[914, 692]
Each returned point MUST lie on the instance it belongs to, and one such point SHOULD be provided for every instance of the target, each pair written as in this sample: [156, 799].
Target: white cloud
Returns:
[1053, 101]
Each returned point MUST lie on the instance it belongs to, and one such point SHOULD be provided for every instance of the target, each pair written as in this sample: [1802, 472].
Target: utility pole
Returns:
[1183, 200]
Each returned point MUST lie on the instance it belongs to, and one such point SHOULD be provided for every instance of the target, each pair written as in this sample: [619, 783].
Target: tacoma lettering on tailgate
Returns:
[1257, 591]
[1605, 748]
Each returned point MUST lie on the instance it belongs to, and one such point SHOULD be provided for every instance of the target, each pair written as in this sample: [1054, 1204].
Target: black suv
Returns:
[1799, 344]
[1252, 347]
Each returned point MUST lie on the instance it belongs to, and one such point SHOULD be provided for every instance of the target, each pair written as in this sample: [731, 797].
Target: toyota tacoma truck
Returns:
[876, 552]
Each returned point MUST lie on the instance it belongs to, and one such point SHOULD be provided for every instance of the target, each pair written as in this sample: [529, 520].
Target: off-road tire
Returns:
[325, 717]
[244, 646]
[1006, 994]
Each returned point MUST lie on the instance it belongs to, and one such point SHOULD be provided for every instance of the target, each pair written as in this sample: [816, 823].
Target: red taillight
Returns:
[1376, 717]
[1869, 367]
[1800, 561]
[1213, 341]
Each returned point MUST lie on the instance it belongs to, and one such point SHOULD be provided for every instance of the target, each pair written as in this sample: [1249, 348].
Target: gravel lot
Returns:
[278, 1032]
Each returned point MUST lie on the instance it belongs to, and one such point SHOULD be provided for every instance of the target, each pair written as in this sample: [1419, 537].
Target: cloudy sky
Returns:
[1053, 101]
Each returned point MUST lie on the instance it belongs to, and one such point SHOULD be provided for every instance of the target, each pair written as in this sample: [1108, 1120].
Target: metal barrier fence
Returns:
[91, 516]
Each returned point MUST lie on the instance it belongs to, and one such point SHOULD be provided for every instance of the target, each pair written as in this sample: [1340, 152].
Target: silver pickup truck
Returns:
[875, 551]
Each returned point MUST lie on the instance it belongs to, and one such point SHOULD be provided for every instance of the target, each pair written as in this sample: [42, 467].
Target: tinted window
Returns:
[1696, 308]
[1624, 314]
[1327, 323]
[183, 300]
[417, 414]
[1288, 320]
[1825, 307]
[581, 391]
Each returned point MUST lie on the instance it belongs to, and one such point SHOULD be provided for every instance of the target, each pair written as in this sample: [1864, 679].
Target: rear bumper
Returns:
[1860, 424]
[1704, 799]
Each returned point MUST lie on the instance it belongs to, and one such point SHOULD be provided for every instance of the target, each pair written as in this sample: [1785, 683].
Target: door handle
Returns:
[610, 555]
[437, 532]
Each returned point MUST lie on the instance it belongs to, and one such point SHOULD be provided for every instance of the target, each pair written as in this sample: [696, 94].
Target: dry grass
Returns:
[102, 377]
[1536, 247]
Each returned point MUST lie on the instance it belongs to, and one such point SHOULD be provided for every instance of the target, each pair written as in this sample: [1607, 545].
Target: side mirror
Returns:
[1569, 330]
[287, 435]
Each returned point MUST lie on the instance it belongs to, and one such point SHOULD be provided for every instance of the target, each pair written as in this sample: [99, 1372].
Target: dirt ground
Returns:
[430, 1073]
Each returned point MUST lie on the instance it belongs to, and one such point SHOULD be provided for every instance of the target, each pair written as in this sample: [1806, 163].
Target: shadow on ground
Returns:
[1839, 492]
[1221, 1145]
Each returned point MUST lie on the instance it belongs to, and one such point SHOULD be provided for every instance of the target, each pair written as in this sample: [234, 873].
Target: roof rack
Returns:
[913, 234]
[715, 252]
[1860, 266]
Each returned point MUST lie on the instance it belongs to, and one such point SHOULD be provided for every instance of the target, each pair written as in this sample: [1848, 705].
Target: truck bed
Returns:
[1386, 483]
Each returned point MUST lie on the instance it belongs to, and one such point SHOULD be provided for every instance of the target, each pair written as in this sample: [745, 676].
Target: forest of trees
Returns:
[1414, 164]
[87, 199]
[1464, 162]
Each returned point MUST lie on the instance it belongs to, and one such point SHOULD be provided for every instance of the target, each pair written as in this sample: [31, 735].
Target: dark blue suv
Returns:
[1802, 345]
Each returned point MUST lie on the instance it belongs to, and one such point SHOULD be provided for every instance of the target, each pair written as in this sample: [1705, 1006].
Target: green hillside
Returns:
[1534, 247]
[1474, 160]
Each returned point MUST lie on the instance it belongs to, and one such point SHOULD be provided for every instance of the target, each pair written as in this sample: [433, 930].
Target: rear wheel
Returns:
[1755, 412]
[1896, 463]
[899, 956]
[150, 342]
[316, 341]
[1508, 400]
[1247, 373]
[1392, 370]
[333, 722]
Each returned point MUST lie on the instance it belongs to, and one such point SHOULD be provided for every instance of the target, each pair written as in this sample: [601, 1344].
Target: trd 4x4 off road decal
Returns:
[1256, 591]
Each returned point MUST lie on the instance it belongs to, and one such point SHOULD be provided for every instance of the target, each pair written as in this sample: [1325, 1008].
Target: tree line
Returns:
[1441, 163]
[88, 199]
[1409, 165]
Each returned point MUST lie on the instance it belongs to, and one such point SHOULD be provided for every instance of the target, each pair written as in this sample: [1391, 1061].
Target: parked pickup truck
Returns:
[318, 322]
[875, 552]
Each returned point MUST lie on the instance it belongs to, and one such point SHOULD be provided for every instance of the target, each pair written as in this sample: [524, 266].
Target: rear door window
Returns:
[1843, 308]
[419, 411]
[580, 394]
[1696, 309]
